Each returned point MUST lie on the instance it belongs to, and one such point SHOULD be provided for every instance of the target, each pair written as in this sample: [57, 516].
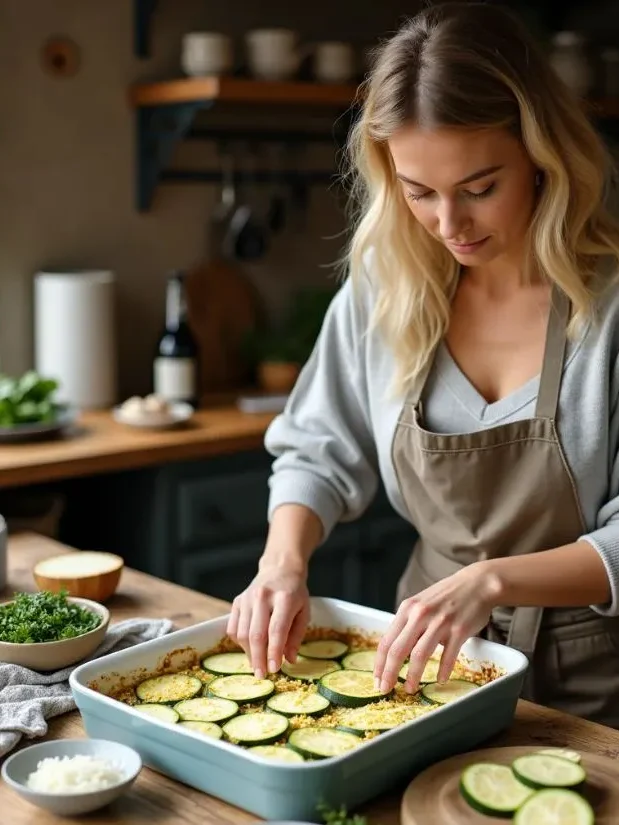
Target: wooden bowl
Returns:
[87, 574]
[65, 652]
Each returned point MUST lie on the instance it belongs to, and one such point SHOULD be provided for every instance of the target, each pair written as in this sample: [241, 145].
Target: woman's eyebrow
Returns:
[481, 173]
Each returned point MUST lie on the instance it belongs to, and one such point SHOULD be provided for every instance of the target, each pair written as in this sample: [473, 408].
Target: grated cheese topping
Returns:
[74, 774]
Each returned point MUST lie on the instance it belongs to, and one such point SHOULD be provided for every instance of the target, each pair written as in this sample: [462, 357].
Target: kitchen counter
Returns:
[157, 799]
[97, 444]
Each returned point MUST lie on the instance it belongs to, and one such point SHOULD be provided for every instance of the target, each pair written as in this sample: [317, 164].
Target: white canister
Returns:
[4, 537]
[75, 335]
[207, 53]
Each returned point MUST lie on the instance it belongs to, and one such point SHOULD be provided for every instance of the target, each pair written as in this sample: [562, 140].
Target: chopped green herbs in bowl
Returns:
[48, 631]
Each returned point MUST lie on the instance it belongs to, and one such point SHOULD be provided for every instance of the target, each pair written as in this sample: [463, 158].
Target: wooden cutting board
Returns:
[223, 307]
[433, 797]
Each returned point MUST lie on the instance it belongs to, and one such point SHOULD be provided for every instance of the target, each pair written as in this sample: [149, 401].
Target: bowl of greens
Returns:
[28, 408]
[48, 631]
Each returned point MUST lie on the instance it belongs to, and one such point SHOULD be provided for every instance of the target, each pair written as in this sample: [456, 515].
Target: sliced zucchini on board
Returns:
[169, 688]
[321, 743]
[241, 688]
[442, 693]
[259, 728]
[295, 702]
[376, 718]
[227, 664]
[360, 660]
[564, 753]
[278, 753]
[543, 771]
[555, 806]
[323, 649]
[493, 789]
[205, 709]
[308, 670]
[205, 728]
[350, 688]
[162, 712]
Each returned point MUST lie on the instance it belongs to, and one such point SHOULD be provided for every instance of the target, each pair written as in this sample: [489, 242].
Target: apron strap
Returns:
[554, 353]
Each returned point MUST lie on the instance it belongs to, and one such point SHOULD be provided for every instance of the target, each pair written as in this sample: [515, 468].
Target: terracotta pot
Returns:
[277, 376]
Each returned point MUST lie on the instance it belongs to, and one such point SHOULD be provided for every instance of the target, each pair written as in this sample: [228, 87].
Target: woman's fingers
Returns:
[233, 621]
[420, 653]
[385, 644]
[297, 633]
[279, 629]
[258, 635]
[243, 625]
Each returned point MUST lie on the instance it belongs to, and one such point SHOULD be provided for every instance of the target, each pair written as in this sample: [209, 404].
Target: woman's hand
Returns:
[269, 618]
[447, 613]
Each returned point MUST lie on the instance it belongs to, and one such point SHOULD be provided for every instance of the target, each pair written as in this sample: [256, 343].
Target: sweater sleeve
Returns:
[325, 454]
[605, 536]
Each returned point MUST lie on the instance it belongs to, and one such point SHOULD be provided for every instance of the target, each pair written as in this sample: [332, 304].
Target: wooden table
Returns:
[157, 800]
[97, 444]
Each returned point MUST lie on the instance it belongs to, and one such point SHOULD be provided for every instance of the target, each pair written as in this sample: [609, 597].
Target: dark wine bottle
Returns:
[175, 368]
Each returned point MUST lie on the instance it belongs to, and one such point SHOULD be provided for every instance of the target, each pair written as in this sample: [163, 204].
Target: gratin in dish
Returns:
[322, 706]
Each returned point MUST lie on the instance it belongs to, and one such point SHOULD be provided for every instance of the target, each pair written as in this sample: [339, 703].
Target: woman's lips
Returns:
[467, 248]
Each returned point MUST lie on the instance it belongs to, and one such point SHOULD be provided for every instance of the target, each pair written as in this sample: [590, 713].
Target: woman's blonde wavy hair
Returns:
[471, 65]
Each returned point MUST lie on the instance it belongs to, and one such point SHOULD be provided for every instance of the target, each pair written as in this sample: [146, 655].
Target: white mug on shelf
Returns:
[272, 54]
[334, 62]
[206, 53]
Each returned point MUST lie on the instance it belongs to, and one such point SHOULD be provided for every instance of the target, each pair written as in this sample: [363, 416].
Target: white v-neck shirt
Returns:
[332, 444]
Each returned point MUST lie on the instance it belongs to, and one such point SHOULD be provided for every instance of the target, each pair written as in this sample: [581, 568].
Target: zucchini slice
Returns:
[205, 709]
[241, 688]
[564, 753]
[169, 688]
[295, 702]
[323, 649]
[308, 670]
[376, 718]
[360, 660]
[227, 664]
[279, 753]
[320, 743]
[493, 789]
[430, 672]
[543, 771]
[162, 712]
[442, 693]
[205, 728]
[553, 806]
[259, 728]
[350, 688]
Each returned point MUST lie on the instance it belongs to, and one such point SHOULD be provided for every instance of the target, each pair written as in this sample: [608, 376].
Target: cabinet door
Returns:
[385, 552]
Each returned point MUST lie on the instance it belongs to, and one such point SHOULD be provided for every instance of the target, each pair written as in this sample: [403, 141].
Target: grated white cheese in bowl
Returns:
[74, 774]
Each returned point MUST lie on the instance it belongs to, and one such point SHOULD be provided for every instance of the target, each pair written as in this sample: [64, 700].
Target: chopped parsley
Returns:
[339, 816]
[44, 617]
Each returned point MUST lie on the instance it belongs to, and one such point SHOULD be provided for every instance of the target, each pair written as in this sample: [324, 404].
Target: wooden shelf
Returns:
[241, 90]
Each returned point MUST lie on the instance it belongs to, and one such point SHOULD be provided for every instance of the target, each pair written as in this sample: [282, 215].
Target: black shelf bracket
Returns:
[143, 11]
[159, 129]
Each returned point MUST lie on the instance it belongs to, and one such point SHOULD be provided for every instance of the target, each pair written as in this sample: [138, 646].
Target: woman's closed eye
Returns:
[466, 193]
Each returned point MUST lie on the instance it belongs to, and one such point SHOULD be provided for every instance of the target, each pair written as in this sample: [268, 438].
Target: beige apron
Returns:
[508, 491]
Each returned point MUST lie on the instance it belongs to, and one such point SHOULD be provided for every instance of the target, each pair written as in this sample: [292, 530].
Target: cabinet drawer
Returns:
[222, 508]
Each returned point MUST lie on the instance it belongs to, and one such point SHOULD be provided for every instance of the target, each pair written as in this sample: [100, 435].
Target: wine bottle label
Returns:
[175, 378]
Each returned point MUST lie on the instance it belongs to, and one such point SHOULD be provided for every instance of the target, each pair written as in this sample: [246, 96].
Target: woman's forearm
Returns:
[294, 533]
[569, 576]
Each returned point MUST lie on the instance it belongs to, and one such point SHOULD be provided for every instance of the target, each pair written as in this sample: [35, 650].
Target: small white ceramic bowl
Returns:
[56, 655]
[18, 767]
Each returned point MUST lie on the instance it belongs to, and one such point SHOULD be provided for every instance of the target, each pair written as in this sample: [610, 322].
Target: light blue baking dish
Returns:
[277, 791]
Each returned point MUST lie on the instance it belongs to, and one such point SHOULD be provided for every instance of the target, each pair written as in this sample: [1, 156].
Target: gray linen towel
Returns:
[28, 698]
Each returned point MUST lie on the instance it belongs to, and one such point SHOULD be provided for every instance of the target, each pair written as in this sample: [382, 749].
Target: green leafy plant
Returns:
[44, 617]
[339, 816]
[27, 400]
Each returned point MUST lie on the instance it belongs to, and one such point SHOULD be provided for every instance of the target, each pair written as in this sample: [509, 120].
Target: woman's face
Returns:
[473, 190]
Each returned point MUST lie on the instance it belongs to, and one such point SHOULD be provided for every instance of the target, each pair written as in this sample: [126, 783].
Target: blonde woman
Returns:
[470, 361]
